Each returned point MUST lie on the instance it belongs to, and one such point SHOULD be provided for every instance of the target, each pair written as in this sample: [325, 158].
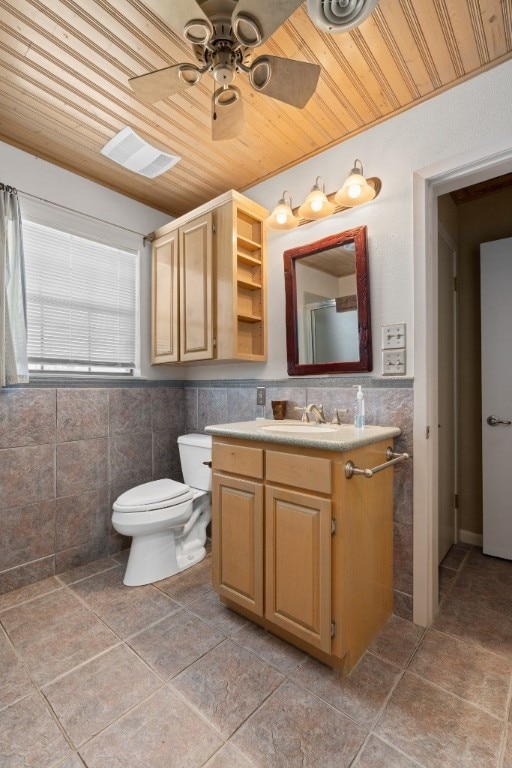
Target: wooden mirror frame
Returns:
[365, 362]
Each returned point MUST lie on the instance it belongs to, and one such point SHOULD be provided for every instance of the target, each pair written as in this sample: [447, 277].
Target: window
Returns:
[81, 303]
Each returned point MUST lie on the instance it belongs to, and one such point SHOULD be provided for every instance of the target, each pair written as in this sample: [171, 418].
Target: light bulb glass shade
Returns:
[282, 217]
[355, 190]
[316, 205]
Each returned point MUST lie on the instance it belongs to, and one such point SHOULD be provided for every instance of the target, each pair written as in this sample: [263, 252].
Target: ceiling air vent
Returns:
[135, 154]
[339, 15]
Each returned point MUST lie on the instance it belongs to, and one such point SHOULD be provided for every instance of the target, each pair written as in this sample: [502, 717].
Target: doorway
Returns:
[429, 184]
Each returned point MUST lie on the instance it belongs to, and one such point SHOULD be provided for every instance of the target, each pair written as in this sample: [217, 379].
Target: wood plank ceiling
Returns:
[65, 65]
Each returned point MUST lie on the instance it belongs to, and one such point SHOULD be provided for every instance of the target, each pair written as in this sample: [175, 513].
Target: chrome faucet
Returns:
[317, 411]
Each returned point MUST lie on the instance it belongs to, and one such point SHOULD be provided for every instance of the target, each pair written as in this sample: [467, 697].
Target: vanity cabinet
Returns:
[300, 549]
[209, 284]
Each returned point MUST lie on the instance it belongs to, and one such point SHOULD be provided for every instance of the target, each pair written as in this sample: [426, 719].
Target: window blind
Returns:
[81, 302]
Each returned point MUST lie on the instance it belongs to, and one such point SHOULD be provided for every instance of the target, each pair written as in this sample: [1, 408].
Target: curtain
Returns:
[13, 305]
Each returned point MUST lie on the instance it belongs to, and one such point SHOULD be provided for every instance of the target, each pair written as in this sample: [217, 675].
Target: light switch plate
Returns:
[260, 395]
[393, 336]
[393, 362]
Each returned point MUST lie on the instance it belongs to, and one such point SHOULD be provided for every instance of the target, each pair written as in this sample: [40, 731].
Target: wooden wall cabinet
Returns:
[209, 284]
[301, 550]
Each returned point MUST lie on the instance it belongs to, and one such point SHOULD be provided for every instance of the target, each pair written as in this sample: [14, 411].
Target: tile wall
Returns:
[65, 456]
[67, 453]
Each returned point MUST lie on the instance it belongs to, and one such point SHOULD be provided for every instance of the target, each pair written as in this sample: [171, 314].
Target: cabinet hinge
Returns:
[214, 229]
[333, 629]
[333, 526]
[427, 432]
[455, 284]
[456, 501]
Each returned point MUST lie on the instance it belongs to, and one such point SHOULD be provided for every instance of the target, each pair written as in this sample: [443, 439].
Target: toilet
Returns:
[167, 519]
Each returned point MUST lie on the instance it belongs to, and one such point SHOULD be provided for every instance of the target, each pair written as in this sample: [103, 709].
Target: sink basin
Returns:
[299, 428]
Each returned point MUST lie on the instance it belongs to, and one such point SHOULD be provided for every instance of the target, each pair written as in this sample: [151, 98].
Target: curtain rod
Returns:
[14, 191]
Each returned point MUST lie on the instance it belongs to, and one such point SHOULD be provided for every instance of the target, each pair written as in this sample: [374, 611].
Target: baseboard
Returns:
[468, 537]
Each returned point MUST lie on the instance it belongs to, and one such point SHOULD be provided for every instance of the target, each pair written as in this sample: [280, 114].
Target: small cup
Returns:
[279, 409]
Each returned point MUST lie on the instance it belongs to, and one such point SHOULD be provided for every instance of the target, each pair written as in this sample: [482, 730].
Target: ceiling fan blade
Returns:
[252, 27]
[184, 17]
[227, 113]
[293, 82]
[158, 85]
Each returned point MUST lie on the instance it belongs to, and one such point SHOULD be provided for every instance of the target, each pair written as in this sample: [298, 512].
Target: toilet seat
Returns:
[157, 494]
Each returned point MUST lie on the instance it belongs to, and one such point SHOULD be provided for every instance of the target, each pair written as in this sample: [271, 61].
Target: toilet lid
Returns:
[154, 495]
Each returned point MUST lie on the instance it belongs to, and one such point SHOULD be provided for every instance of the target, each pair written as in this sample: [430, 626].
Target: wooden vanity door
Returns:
[237, 525]
[298, 565]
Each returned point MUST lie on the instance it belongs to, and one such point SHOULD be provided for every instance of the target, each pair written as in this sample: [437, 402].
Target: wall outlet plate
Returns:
[261, 395]
[393, 336]
[393, 362]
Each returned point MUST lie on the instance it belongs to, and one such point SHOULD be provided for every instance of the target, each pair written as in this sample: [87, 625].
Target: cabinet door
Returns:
[298, 565]
[196, 283]
[164, 295]
[237, 526]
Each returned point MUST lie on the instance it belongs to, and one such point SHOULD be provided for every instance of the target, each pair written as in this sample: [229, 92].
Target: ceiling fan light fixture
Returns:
[247, 30]
[316, 205]
[355, 190]
[282, 217]
[198, 32]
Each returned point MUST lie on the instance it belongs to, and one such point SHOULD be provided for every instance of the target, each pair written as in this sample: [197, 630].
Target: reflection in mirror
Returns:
[328, 306]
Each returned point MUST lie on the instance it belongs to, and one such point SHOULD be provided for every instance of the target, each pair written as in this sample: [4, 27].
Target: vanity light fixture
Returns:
[282, 216]
[355, 190]
[316, 205]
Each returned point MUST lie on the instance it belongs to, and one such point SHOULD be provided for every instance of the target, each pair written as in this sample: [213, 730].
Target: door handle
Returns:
[493, 421]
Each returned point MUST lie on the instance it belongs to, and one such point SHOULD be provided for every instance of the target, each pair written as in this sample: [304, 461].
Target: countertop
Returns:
[344, 437]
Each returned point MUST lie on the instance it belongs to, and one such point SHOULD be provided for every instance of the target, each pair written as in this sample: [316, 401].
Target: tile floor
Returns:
[97, 674]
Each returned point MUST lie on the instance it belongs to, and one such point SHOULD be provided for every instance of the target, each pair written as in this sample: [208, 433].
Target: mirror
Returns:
[328, 326]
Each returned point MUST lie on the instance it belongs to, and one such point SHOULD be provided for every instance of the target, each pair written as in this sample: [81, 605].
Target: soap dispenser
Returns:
[359, 408]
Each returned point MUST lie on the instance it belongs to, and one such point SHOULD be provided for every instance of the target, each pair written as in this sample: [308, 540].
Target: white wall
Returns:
[469, 116]
[36, 177]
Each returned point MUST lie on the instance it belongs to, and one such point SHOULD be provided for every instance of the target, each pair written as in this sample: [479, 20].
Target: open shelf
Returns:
[245, 258]
[248, 284]
[249, 318]
[249, 245]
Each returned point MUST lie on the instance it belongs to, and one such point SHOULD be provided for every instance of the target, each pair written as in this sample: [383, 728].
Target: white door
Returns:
[496, 295]
[446, 397]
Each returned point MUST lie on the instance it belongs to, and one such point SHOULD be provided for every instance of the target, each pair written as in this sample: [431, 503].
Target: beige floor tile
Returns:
[174, 643]
[71, 762]
[15, 681]
[44, 614]
[507, 759]
[475, 624]
[360, 695]
[29, 736]
[471, 673]
[294, 729]
[227, 685]
[437, 729]
[485, 581]
[285, 657]
[162, 732]
[376, 754]
[63, 648]
[84, 571]
[228, 757]
[18, 596]
[211, 610]
[189, 585]
[99, 692]
[126, 610]
[397, 640]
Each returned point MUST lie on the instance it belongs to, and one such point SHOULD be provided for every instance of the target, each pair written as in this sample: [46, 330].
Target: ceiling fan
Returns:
[223, 34]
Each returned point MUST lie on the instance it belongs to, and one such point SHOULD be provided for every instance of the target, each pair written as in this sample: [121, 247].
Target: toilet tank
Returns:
[194, 450]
